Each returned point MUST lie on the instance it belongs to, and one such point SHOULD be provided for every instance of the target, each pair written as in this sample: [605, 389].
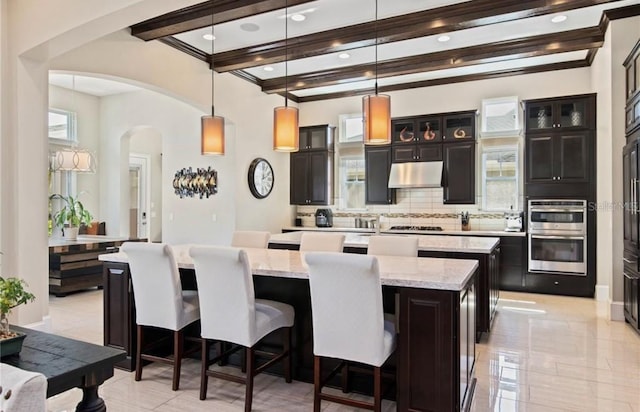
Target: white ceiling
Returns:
[90, 85]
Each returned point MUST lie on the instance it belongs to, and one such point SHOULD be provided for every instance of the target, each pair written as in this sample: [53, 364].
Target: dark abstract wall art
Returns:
[202, 182]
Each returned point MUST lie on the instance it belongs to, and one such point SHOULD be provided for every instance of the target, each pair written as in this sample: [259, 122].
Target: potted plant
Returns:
[71, 216]
[12, 294]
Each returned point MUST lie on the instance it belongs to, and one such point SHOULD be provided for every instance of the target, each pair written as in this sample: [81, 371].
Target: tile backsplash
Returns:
[414, 207]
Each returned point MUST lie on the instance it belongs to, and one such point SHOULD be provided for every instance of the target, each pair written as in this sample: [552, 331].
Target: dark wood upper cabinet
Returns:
[377, 167]
[311, 168]
[571, 113]
[630, 196]
[632, 111]
[459, 127]
[459, 173]
[559, 157]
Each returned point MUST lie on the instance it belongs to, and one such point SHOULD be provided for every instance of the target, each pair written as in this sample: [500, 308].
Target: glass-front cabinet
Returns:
[564, 114]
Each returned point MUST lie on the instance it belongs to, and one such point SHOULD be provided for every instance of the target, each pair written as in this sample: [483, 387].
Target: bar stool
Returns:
[232, 314]
[251, 239]
[321, 242]
[160, 300]
[393, 246]
[348, 319]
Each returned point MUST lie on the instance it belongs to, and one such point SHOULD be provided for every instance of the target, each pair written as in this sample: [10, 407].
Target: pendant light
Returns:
[286, 136]
[376, 109]
[212, 130]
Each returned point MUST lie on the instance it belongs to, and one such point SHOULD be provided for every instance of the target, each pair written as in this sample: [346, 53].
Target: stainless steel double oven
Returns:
[558, 236]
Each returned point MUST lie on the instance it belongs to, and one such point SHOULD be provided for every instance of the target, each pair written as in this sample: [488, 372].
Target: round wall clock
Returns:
[260, 178]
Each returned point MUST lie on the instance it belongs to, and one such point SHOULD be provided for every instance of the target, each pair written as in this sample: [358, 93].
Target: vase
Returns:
[576, 118]
[542, 119]
[70, 233]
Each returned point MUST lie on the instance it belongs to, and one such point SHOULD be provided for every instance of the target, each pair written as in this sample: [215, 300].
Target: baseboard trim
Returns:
[616, 311]
[44, 325]
[602, 293]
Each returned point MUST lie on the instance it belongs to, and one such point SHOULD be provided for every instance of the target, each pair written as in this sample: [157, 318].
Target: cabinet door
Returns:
[539, 116]
[572, 162]
[320, 173]
[464, 345]
[377, 167]
[572, 114]
[299, 171]
[631, 298]
[459, 127]
[459, 173]
[317, 138]
[404, 153]
[429, 130]
[403, 131]
[540, 156]
[629, 196]
[429, 152]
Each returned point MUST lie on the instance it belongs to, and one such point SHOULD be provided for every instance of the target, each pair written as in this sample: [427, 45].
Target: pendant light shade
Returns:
[376, 115]
[376, 110]
[212, 137]
[212, 127]
[73, 160]
[286, 136]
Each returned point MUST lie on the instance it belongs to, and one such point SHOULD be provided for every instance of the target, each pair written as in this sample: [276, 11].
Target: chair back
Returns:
[250, 238]
[225, 287]
[346, 307]
[156, 284]
[321, 242]
[393, 246]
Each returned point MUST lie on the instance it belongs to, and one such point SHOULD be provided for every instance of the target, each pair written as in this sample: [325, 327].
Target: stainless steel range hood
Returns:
[415, 174]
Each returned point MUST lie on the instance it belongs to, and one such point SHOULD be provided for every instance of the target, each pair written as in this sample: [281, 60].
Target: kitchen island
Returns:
[486, 250]
[435, 354]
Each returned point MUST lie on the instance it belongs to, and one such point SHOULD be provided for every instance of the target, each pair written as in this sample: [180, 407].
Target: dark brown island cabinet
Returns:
[631, 178]
[433, 369]
[446, 137]
[560, 163]
[311, 168]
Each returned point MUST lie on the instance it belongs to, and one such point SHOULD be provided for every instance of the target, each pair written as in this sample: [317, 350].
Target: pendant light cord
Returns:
[376, 30]
[286, 51]
[213, 49]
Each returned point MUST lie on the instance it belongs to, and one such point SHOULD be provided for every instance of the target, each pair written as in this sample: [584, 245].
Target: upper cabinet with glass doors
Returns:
[574, 113]
[632, 70]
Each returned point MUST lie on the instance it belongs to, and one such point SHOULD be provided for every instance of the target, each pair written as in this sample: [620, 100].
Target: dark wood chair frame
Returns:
[249, 364]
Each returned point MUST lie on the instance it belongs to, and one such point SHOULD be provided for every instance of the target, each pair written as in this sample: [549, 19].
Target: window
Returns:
[500, 117]
[352, 182]
[62, 126]
[500, 177]
[351, 128]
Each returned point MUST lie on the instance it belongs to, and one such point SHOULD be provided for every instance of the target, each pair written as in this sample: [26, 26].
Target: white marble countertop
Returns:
[84, 240]
[433, 243]
[415, 232]
[423, 273]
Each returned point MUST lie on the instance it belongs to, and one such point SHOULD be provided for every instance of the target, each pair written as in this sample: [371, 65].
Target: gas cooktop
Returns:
[419, 228]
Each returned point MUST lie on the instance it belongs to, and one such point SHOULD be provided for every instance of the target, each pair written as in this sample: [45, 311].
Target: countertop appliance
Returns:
[558, 236]
[513, 221]
[324, 218]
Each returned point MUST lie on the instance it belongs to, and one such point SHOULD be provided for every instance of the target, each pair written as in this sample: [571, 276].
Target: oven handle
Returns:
[558, 210]
[557, 237]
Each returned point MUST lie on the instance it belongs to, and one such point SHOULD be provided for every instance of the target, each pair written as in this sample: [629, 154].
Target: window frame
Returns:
[516, 131]
[514, 147]
[72, 128]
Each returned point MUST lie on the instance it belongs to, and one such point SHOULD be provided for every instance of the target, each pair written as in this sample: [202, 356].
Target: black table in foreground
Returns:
[67, 364]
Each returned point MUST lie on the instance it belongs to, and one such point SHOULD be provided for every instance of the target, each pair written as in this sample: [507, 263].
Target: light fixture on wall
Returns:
[285, 119]
[212, 130]
[73, 158]
[376, 109]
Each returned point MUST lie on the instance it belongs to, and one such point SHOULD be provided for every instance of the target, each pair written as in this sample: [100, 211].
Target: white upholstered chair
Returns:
[160, 300]
[22, 390]
[321, 242]
[251, 239]
[348, 318]
[393, 246]
[230, 313]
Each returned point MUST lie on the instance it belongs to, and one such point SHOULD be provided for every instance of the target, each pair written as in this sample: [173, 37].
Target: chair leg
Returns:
[204, 378]
[287, 359]
[243, 361]
[317, 381]
[248, 397]
[344, 375]
[139, 354]
[377, 389]
[219, 349]
[177, 358]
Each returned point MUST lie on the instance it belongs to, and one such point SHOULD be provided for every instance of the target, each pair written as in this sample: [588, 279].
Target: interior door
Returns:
[139, 197]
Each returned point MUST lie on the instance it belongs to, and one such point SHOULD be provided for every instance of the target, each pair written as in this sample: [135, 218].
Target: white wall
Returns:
[148, 141]
[86, 108]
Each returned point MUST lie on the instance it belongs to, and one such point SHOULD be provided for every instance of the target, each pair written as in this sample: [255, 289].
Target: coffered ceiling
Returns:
[331, 44]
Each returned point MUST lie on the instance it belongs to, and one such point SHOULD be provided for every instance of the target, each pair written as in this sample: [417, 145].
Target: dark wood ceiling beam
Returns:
[581, 39]
[447, 19]
[449, 80]
[199, 16]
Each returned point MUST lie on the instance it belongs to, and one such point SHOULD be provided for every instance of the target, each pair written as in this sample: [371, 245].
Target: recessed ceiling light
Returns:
[209, 37]
[268, 68]
[444, 38]
[559, 18]
[344, 55]
[251, 27]
[298, 17]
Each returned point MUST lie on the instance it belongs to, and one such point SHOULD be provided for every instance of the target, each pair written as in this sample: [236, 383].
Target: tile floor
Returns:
[545, 353]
